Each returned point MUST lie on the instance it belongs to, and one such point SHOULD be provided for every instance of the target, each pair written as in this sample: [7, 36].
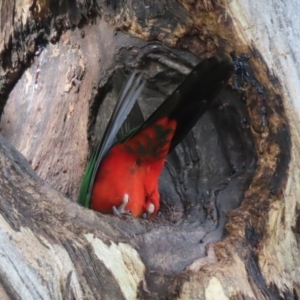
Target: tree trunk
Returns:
[229, 226]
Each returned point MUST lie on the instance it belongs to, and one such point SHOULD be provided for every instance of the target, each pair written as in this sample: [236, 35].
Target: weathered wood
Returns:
[273, 27]
[240, 174]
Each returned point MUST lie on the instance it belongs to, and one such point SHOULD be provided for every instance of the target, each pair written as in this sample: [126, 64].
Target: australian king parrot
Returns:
[122, 175]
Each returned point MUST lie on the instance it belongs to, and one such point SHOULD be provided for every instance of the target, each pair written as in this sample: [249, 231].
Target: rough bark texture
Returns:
[229, 227]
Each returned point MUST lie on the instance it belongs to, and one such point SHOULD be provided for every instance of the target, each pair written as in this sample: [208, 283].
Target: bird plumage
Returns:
[129, 170]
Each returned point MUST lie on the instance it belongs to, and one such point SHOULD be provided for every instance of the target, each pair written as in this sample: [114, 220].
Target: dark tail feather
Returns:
[194, 96]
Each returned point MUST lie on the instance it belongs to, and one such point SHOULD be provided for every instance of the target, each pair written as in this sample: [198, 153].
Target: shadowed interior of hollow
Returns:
[204, 177]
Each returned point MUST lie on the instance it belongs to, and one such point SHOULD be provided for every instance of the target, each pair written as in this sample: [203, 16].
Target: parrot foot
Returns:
[150, 210]
[120, 211]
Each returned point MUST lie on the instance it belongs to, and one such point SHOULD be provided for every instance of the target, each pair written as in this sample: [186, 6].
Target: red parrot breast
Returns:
[133, 168]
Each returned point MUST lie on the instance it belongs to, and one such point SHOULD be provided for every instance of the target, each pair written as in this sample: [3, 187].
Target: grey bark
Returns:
[230, 216]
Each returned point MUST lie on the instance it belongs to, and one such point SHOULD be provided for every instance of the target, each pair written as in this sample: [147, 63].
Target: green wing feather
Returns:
[124, 105]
